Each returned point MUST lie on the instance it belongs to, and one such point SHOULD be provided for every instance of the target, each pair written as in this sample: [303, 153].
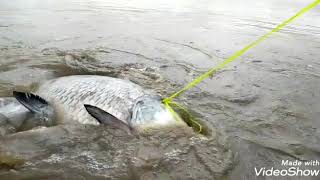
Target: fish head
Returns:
[149, 111]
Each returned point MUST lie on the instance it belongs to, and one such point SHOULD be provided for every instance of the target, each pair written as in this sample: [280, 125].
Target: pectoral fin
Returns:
[104, 117]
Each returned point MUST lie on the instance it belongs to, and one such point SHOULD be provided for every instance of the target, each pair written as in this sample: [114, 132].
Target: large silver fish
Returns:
[93, 99]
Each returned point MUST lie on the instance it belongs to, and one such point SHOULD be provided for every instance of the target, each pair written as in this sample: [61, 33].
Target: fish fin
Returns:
[33, 102]
[104, 117]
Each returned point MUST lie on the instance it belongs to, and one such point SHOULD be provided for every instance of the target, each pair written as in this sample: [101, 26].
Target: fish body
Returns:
[118, 98]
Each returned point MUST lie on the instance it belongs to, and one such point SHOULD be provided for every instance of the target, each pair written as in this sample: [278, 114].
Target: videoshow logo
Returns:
[291, 168]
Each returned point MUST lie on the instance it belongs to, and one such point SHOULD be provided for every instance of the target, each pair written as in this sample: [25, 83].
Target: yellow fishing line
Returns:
[167, 101]
[175, 115]
[197, 126]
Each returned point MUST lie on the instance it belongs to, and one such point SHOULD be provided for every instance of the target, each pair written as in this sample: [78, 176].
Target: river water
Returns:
[260, 109]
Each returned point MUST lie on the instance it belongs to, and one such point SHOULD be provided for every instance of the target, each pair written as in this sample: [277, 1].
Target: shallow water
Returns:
[265, 106]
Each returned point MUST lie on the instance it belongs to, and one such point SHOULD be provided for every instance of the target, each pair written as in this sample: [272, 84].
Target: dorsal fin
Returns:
[104, 117]
[33, 102]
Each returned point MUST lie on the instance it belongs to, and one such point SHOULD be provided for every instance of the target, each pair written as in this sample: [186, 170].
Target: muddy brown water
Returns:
[261, 109]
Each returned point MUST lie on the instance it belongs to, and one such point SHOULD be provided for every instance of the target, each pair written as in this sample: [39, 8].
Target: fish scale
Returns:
[70, 93]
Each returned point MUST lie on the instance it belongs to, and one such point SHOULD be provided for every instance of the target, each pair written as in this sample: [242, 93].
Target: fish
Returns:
[94, 99]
